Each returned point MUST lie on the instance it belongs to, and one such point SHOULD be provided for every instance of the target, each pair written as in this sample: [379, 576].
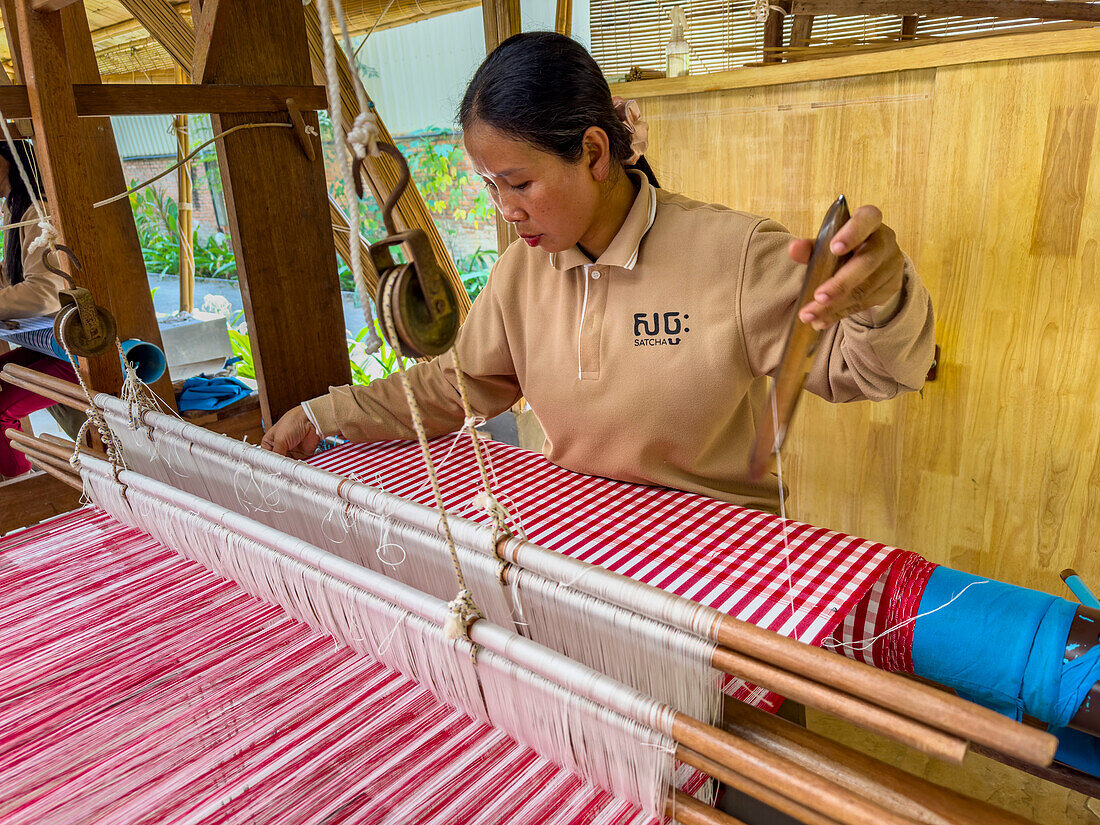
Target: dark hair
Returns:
[545, 89]
[18, 202]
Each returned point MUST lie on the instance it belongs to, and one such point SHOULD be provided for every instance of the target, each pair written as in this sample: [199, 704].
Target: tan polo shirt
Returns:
[36, 294]
[648, 364]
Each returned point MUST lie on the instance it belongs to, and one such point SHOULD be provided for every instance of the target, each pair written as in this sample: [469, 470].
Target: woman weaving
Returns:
[27, 289]
[638, 324]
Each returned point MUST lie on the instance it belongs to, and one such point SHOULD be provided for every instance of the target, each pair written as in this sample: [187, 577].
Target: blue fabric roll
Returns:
[1002, 646]
[202, 393]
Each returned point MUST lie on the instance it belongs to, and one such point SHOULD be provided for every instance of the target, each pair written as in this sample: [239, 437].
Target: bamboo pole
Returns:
[184, 214]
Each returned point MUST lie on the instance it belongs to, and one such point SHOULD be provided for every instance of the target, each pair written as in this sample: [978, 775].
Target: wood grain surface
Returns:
[985, 170]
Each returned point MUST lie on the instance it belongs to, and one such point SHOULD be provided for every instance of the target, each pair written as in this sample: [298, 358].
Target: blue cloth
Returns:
[1078, 750]
[202, 393]
[1002, 646]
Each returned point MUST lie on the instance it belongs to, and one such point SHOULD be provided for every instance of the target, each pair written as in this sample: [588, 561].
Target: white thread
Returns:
[864, 644]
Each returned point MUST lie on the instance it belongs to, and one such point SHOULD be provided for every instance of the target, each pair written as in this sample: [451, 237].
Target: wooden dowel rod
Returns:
[63, 477]
[39, 445]
[865, 714]
[687, 810]
[898, 727]
[754, 789]
[42, 384]
[934, 707]
[61, 470]
[796, 783]
[901, 791]
[37, 389]
[71, 446]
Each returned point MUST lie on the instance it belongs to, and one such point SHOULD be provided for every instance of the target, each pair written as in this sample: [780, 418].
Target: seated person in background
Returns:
[638, 324]
[27, 289]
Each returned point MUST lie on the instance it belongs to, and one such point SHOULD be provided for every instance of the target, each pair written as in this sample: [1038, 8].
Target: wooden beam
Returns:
[802, 26]
[117, 99]
[185, 210]
[50, 5]
[501, 19]
[7, 11]
[279, 219]
[30, 499]
[381, 172]
[116, 234]
[205, 32]
[1061, 10]
[563, 17]
[64, 158]
[342, 236]
[166, 25]
[909, 27]
[1055, 39]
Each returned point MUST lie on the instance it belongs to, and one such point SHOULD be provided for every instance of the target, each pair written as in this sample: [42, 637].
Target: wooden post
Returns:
[65, 159]
[773, 32]
[501, 19]
[115, 232]
[278, 210]
[909, 26]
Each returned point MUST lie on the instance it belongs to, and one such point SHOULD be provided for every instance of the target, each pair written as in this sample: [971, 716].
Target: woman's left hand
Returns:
[870, 278]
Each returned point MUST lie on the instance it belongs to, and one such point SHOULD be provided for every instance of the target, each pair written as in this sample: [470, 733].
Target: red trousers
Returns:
[16, 403]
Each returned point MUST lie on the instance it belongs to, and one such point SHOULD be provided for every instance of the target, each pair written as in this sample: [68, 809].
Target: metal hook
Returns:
[58, 271]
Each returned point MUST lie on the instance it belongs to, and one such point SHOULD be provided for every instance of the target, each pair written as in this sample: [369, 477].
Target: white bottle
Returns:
[679, 58]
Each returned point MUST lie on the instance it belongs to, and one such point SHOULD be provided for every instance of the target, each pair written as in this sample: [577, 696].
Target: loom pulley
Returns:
[81, 325]
[424, 306]
[802, 340]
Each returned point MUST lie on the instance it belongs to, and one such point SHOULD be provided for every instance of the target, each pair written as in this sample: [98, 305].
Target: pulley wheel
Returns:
[70, 332]
[418, 334]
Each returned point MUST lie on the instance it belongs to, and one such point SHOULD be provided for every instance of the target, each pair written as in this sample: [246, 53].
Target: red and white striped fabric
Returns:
[137, 687]
[721, 555]
[879, 629]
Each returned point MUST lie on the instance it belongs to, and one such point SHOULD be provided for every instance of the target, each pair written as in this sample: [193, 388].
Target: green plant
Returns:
[385, 361]
[156, 216]
[241, 345]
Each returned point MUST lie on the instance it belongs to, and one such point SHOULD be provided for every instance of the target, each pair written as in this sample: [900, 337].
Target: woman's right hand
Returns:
[293, 435]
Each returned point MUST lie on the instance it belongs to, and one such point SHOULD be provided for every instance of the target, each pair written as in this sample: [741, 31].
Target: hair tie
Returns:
[631, 115]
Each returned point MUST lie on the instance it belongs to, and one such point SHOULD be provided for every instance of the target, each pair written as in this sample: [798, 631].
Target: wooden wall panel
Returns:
[988, 173]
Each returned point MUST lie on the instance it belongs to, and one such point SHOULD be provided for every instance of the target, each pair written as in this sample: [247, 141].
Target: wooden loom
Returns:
[921, 717]
[285, 243]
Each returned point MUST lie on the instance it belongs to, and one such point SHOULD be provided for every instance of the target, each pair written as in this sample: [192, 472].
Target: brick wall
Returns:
[203, 216]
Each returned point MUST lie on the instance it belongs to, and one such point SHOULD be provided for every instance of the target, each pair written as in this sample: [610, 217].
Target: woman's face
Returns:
[554, 204]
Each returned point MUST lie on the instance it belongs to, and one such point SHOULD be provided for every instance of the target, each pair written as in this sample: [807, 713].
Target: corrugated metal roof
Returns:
[422, 69]
[151, 136]
[144, 136]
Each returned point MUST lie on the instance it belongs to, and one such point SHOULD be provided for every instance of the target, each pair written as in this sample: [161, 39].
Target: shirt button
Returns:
[596, 274]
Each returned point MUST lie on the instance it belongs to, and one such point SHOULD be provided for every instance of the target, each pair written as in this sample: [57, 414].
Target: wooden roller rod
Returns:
[934, 707]
[55, 389]
[687, 810]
